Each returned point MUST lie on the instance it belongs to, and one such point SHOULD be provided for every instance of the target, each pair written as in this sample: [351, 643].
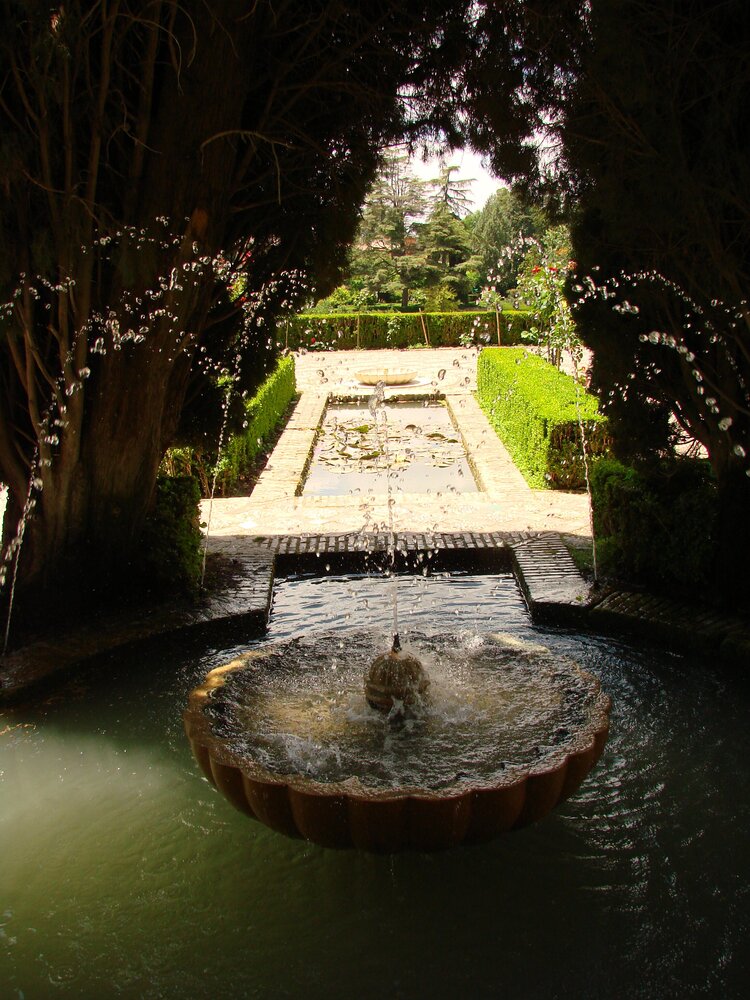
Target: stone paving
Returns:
[504, 501]
[504, 525]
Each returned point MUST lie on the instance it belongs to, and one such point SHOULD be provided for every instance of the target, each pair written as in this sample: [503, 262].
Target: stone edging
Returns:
[553, 588]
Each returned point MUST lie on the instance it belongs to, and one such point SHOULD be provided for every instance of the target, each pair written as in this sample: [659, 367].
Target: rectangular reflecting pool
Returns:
[416, 441]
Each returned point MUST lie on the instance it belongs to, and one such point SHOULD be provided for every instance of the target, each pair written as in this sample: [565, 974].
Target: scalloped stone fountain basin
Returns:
[508, 732]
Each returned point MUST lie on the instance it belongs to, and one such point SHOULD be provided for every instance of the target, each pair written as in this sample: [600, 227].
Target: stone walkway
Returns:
[504, 501]
[504, 525]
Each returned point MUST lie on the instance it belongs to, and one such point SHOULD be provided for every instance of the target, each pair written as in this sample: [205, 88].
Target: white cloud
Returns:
[470, 167]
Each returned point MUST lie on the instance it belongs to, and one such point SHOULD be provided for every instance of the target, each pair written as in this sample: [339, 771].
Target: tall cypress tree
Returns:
[657, 147]
[150, 151]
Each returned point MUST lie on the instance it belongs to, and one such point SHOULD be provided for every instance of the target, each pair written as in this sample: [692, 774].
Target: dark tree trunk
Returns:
[82, 540]
[81, 544]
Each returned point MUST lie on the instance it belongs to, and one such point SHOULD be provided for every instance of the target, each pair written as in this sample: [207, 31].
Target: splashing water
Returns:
[13, 552]
[148, 319]
[577, 378]
[377, 408]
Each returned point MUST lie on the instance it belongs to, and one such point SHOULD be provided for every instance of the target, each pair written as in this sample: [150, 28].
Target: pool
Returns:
[125, 874]
[425, 453]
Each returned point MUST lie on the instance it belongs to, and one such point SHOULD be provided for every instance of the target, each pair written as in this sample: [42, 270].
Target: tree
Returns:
[384, 257]
[451, 192]
[645, 106]
[498, 232]
[154, 155]
[446, 247]
[656, 155]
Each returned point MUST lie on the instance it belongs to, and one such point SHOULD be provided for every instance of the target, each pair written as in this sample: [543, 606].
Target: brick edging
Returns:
[553, 588]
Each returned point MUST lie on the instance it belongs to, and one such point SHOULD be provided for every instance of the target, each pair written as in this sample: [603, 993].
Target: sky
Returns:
[470, 164]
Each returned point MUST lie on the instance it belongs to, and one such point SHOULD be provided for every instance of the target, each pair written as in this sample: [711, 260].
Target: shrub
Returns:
[535, 410]
[351, 331]
[263, 413]
[442, 298]
[656, 526]
[171, 543]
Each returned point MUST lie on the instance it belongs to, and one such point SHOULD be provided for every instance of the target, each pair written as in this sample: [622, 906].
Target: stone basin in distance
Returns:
[388, 376]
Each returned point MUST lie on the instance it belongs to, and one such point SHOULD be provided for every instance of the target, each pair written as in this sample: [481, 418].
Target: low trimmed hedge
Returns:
[263, 415]
[535, 410]
[656, 526]
[354, 331]
[264, 412]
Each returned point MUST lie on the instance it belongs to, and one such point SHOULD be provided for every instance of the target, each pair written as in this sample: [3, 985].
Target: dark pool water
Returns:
[409, 447]
[124, 874]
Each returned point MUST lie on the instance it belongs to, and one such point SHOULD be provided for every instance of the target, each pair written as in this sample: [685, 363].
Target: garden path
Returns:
[504, 502]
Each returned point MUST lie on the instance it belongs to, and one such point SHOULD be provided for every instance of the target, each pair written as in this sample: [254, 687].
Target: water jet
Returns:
[287, 733]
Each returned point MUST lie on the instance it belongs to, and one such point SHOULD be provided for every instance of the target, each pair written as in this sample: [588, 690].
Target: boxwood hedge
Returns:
[263, 413]
[535, 410]
[656, 526]
[354, 331]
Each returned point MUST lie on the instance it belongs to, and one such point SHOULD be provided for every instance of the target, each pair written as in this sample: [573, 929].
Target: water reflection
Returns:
[425, 452]
[123, 873]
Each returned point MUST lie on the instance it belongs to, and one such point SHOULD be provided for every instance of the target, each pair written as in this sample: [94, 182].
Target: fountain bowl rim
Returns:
[538, 789]
[389, 376]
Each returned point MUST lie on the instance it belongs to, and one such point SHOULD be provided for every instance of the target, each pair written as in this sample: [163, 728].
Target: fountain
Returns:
[118, 856]
[287, 733]
[385, 754]
[396, 681]
[388, 376]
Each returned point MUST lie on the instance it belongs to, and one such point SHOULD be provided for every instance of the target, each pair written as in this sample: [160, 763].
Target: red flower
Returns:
[535, 270]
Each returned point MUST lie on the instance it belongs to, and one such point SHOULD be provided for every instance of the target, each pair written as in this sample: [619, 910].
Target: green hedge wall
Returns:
[171, 544]
[354, 331]
[532, 406]
[264, 411]
[263, 414]
[656, 526]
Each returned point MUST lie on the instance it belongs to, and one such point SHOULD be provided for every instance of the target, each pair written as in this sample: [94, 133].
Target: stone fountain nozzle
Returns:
[396, 679]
